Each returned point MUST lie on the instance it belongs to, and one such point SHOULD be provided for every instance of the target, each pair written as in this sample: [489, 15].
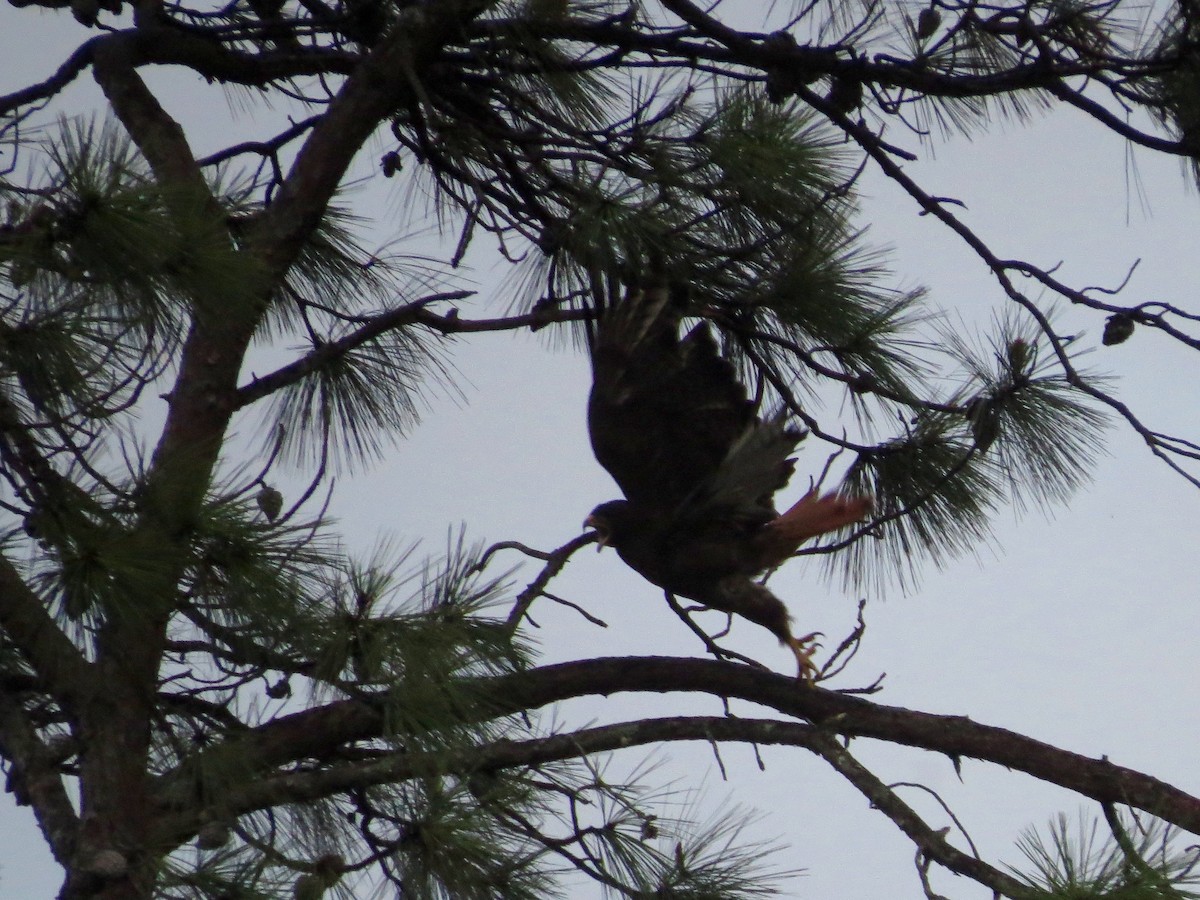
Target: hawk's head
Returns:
[613, 521]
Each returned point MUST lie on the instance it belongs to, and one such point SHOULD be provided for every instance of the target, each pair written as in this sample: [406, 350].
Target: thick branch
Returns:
[159, 137]
[312, 732]
[503, 754]
[955, 736]
[308, 786]
[382, 83]
[35, 781]
[60, 667]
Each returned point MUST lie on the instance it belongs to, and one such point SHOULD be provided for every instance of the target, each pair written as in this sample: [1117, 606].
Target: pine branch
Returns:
[159, 137]
[378, 85]
[61, 668]
[72, 68]
[929, 842]
[508, 754]
[953, 736]
[375, 326]
[313, 732]
[34, 780]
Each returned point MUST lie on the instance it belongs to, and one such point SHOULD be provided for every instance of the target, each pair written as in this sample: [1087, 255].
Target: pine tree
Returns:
[205, 693]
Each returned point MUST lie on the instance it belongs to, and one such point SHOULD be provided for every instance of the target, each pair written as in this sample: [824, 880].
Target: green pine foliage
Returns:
[1016, 431]
[1078, 861]
[357, 404]
[1173, 95]
[1046, 434]
[934, 496]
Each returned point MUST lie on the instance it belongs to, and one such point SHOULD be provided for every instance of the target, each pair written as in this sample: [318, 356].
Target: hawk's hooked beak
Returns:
[601, 532]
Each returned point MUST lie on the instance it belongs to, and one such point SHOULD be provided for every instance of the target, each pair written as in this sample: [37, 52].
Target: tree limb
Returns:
[35, 781]
[58, 663]
[313, 732]
[931, 843]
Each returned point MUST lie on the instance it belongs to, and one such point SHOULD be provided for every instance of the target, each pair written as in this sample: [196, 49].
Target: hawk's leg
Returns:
[804, 648]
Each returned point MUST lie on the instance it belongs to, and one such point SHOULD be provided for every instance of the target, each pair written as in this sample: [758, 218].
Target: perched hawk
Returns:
[673, 426]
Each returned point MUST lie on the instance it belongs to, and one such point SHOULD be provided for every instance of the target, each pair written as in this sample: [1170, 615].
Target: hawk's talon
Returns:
[804, 648]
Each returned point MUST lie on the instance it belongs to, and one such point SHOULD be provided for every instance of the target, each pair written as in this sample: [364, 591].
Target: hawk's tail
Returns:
[811, 516]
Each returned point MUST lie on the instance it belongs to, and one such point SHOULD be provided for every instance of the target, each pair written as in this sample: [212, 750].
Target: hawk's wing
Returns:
[669, 420]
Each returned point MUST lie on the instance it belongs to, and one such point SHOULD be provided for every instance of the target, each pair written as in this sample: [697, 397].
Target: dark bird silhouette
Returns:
[673, 426]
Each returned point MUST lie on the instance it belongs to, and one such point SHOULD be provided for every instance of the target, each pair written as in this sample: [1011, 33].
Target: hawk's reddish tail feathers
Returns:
[811, 516]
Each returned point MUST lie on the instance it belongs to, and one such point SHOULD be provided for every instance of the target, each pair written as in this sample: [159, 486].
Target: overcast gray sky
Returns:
[1077, 630]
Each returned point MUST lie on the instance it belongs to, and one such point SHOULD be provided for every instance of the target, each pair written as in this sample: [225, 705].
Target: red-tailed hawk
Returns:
[673, 426]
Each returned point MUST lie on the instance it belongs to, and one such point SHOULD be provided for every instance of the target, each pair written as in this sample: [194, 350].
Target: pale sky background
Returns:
[1078, 630]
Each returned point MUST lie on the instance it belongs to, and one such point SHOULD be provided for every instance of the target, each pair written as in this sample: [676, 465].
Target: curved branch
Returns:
[312, 732]
[79, 60]
[932, 844]
[298, 787]
[157, 135]
[307, 786]
[955, 736]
